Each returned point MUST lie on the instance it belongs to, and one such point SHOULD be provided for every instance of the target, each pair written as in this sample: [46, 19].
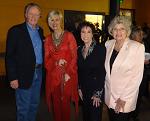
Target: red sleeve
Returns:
[46, 64]
[47, 57]
[72, 68]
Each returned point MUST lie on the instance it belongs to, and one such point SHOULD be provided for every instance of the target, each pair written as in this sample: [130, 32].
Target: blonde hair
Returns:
[54, 13]
[120, 20]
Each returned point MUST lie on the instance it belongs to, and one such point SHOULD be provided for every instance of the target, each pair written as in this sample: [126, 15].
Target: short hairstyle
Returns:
[86, 24]
[135, 30]
[54, 13]
[120, 20]
[30, 5]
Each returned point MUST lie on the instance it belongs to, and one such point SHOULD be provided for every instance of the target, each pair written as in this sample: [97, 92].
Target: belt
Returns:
[38, 65]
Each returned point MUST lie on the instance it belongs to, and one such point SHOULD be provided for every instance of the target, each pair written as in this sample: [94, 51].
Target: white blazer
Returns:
[126, 75]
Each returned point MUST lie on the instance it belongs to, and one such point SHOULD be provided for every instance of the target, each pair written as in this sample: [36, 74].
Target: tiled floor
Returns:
[7, 108]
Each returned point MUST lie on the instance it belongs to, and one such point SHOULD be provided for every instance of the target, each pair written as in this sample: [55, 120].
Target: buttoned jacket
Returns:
[124, 79]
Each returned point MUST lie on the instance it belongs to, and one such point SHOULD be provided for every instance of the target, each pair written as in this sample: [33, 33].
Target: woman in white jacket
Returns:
[124, 70]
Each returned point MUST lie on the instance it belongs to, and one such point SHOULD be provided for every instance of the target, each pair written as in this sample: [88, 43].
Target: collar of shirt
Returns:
[90, 50]
[31, 28]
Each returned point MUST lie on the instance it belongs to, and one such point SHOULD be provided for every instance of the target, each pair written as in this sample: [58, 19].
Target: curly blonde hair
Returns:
[120, 20]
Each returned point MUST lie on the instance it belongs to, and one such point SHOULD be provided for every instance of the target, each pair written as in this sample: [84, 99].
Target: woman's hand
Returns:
[119, 105]
[62, 62]
[96, 101]
[80, 94]
[67, 77]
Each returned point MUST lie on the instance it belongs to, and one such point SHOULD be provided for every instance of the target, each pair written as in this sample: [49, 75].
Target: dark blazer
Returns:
[20, 56]
[91, 71]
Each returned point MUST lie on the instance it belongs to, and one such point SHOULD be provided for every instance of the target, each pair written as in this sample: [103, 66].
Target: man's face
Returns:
[32, 16]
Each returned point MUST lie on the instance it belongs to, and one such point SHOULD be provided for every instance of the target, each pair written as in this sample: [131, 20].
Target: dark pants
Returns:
[144, 87]
[136, 112]
[27, 100]
[143, 91]
[118, 117]
[90, 112]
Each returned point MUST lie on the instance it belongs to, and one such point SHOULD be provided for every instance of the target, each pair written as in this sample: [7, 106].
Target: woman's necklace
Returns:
[57, 39]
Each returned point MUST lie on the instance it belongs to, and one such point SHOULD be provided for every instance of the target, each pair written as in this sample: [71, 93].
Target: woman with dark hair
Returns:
[91, 74]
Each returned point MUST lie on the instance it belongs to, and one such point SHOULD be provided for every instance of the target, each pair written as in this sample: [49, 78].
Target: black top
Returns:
[91, 71]
[113, 57]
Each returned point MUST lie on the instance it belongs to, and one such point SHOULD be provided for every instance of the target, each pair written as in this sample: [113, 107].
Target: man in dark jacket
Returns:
[24, 58]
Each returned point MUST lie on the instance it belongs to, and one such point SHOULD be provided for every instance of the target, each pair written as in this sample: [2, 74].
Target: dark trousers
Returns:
[143, 91]
[118, 117]
[144, 87]
[27, 100]
[90, 112]
[136, 112]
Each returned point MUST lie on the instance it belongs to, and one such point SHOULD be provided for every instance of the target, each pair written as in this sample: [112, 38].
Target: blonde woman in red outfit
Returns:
[61, 68]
